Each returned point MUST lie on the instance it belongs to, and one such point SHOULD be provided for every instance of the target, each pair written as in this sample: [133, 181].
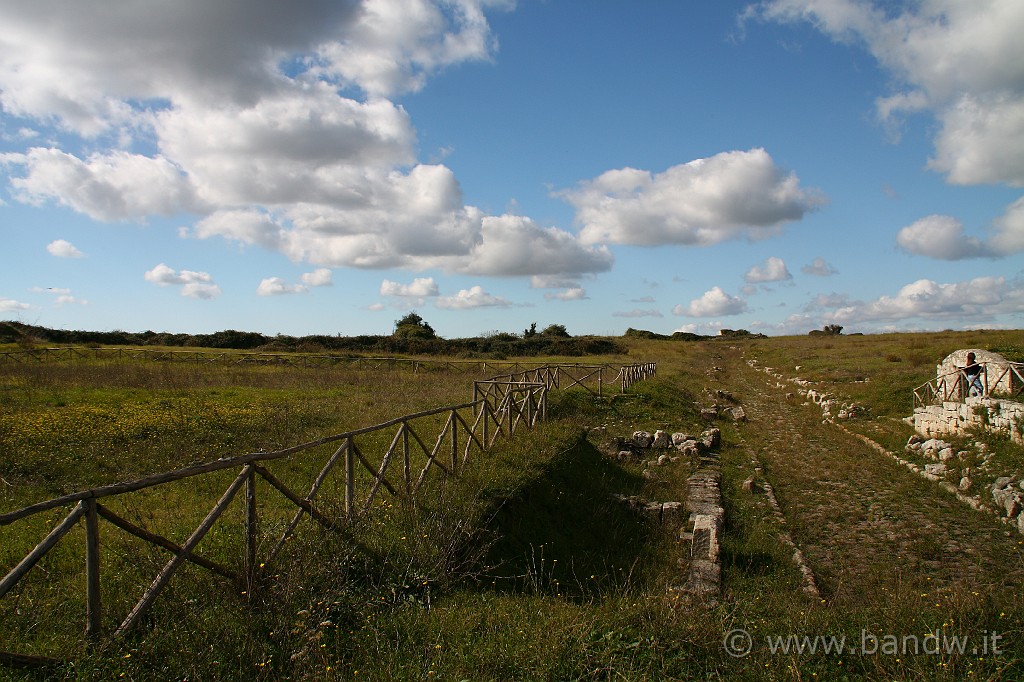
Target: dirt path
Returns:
[868, 527]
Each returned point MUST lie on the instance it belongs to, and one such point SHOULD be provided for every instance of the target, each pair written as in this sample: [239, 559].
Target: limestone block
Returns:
[642, 439]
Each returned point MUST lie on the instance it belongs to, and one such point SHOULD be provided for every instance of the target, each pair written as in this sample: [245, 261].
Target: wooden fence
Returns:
[467, 428]
[592, 378]
[1005, 378]
[500, 407]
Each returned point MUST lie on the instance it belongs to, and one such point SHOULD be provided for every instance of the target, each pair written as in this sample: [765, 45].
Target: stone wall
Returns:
[950, 418]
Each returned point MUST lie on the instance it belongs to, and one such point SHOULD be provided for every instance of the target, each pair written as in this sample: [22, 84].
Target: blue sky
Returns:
[326, 167]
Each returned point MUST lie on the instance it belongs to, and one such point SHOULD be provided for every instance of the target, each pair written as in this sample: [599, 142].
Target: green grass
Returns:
[522, 568]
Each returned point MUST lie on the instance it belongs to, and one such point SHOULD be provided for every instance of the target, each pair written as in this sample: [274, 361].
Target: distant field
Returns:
[525, 567]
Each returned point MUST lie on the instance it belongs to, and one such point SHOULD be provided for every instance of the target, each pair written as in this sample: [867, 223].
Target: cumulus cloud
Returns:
[474, 297]
[275, 286]
[255, 129]
[941, 237]
[108, 187]
[193, 284]
[773, 269]
[321, 277]
[978, 300]
[9, 305]
[963, 61]
[570, 294]
[419, 288]
[827, 301]
[819, 267]
[727, 196]
[1009, 230]
[63, 249]
[713, 303]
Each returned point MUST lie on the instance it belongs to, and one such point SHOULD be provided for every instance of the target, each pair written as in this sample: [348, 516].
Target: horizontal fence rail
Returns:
[439, 439]
[996, 378]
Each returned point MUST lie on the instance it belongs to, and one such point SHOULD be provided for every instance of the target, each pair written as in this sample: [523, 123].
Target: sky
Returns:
[327, 166]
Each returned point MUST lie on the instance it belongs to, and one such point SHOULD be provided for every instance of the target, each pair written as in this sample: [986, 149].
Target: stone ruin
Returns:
[956, 417]
[1002, 380]
[703, 502]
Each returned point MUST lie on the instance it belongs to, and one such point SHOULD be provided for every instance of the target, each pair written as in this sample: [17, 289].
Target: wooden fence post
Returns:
[453, 423]
[350, 478]
[251, 523]
[92, 570]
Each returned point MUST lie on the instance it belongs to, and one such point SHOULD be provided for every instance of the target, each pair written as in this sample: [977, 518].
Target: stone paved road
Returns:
[866, 525]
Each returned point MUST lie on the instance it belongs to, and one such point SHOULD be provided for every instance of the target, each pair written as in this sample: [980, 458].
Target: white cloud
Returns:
[570, 294]
[511, 245]
[275, 286]
[89, 69]
[108, 187]
[707, 201]
[942, 237]
[706, 328]
[62, 295]
[772, 270]
[976, 301]
[193, 284]
[395, 44]
[819, 267]
[321, 277]
[964, 61]
[419, 288]
[1009, 230]
[552, 282]
[830, 301]
[63, 249]
[713, 303]
[474, 297]
[9, 305]
[241, 106]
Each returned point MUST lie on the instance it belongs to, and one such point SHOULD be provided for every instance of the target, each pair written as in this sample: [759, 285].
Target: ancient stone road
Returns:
[865, 524]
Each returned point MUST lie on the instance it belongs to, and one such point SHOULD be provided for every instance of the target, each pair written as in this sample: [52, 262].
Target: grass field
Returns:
[525, 566]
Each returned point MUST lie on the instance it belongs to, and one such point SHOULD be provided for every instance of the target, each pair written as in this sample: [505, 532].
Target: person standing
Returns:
[972, 372]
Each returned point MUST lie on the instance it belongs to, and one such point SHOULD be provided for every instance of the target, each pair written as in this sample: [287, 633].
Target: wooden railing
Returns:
[467, 428]
[500, 407]
[592, 378]
[1002, 378]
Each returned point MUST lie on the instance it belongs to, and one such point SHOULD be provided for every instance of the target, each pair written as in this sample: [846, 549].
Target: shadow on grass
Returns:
[563, 533]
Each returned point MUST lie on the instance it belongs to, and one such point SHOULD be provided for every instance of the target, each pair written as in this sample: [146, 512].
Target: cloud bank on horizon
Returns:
[280, 128]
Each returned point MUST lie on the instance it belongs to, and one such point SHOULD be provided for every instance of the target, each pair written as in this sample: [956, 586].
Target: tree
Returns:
[555, 330]
[532, 331]
[412, 326]
[827, 330]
